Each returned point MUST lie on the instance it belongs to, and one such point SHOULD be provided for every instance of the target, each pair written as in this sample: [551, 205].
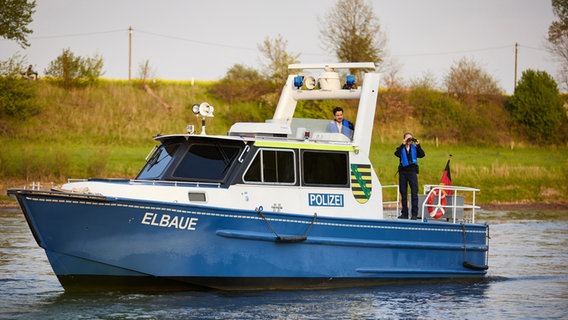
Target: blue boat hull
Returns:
[98, 243]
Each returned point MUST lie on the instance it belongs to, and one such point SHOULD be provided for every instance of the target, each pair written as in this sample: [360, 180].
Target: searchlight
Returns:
[205, 110]
[328, 81]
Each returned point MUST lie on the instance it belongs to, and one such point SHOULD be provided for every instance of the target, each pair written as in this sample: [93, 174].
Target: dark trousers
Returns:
[406, 179]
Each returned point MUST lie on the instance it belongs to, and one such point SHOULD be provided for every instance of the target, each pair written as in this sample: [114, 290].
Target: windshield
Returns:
[159, 161]
[206, 162]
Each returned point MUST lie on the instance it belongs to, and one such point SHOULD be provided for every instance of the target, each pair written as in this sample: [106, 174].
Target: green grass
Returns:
[58, 162]
[504, 175]
[106, 131]
[521, 175]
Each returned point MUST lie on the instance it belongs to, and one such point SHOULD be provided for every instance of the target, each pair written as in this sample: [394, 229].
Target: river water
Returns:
[528, 279]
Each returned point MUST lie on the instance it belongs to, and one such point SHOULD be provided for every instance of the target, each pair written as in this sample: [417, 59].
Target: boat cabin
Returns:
[287, 164]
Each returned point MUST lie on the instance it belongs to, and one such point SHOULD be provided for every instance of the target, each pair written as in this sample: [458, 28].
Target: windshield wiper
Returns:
[155, 158]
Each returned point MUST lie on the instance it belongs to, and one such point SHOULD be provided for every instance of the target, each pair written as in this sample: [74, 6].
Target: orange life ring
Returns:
[438, 210]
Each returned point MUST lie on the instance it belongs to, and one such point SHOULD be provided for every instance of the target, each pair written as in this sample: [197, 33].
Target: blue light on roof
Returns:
[298, 81]
[350, 80]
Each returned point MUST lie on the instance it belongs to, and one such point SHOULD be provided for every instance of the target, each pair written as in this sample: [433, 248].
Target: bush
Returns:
[14, 67]
[242, 84]
[446, 118]
[393, 106]
[249, 95]
[439, 114]
[485, 122]
[536, 107]
[17, 98]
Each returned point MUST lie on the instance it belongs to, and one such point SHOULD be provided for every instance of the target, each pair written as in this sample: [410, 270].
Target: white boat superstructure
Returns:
[283, 132]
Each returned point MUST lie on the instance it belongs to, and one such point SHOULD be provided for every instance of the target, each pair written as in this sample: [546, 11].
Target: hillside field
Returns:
[106, 130]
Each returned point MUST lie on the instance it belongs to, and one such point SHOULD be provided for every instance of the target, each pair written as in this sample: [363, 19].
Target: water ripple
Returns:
[527, 278]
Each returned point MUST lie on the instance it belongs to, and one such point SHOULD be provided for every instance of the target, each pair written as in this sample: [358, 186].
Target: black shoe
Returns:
[403, 217]
[413, 218]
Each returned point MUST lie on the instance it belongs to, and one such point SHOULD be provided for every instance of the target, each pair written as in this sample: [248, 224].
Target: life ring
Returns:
[438, 210]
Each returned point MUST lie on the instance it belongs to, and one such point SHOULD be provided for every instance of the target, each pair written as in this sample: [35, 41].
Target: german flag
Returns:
[447, 177]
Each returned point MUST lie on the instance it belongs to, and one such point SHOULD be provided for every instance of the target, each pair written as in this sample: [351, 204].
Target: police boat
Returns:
[277, 205]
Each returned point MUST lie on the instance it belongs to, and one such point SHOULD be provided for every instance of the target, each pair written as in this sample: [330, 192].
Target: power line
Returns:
[194, 41]
[77, 34]
[211, 43]
[207, 43]
[220, 45]
[452, 52]
[533, 48]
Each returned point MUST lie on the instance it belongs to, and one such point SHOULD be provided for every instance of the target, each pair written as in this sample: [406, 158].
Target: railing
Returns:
[178, 183]
[389, 204]
[432, 190]
[156, 182]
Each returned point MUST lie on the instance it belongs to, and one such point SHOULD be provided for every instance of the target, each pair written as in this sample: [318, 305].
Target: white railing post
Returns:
[392, 202]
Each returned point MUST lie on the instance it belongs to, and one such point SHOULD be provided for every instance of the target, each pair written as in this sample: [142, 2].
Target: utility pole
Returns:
[516, 61]
[130, 53]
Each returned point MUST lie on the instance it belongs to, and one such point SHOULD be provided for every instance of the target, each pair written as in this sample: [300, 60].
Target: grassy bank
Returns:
[505, 176]
[106, 130]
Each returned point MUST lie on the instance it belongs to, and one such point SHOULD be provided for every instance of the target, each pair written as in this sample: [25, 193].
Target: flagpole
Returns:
[446, 176]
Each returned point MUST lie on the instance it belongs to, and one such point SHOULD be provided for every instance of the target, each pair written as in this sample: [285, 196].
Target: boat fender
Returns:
[474, 266]
[286, 239]
[466, 263]
[291, 239]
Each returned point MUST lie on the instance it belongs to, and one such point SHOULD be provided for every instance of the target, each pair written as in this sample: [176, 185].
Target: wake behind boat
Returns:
[282, 204]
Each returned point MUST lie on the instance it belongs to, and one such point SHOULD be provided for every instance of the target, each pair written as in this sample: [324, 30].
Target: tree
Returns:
[353, 33]
[536, 107]
[392, 78]
[145, 71]
[92, 68]
[466, 80]
[278, 58]
[13, 67]
[73, 70]
[558, 38]
[66, 67]
[15, 15]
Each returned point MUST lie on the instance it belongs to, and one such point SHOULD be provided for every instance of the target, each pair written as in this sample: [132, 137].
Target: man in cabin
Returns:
[409, 152]
[340, 125]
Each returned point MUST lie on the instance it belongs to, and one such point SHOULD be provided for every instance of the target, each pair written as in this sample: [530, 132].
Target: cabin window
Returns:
[206, 162]
[159, 161]
[272, 166]
[325, 168]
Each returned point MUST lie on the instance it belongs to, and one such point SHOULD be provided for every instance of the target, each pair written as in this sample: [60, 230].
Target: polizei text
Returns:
[325, 200]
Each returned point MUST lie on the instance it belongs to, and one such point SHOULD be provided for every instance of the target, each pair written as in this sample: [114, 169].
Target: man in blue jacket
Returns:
[340, 125]
[408, 152]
